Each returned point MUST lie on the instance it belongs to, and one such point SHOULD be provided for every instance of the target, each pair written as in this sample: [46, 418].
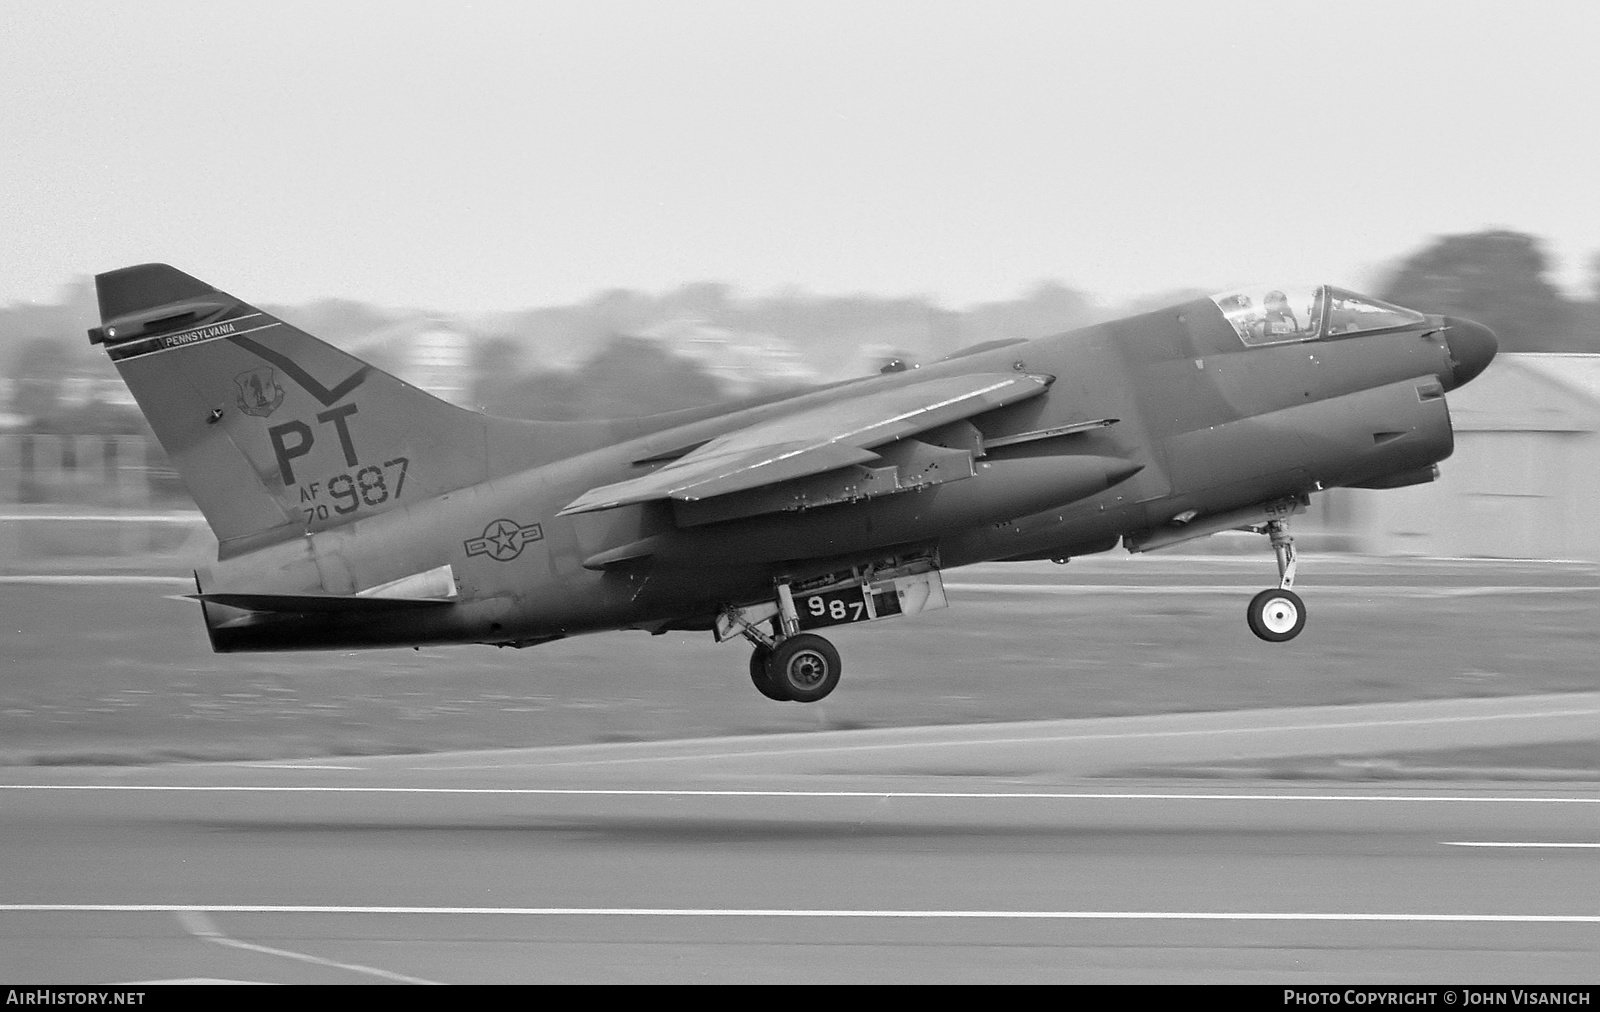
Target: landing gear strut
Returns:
[1278, 614]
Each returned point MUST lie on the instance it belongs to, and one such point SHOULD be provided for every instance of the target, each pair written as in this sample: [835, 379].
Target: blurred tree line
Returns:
[604, 370]
[628, 377]
[586, 360]
[590, 360]
[1500, 279]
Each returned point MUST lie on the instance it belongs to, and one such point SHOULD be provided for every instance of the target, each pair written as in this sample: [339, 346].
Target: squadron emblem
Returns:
[503, 540]
[259, 392]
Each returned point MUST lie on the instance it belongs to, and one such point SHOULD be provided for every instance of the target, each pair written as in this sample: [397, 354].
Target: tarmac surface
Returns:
[991, 853]
[1081, 774]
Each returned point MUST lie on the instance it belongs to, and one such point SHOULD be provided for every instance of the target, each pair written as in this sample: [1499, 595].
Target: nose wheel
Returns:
[1278, 615]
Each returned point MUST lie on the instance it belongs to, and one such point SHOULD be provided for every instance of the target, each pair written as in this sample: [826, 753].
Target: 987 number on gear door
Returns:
[833, 607]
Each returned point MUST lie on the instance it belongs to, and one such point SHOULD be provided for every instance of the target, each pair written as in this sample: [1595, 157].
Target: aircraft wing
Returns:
[814, 440]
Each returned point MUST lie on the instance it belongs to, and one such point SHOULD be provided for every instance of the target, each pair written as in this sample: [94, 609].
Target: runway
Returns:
[1021, 642]
[960, 854]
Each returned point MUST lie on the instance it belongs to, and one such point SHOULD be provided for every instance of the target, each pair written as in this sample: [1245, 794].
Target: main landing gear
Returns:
[803, 668]
[1278, 614]
[790, 663]
[786, 665]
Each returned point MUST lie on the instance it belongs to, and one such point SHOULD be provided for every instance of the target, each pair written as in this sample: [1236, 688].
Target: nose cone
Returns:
[1472, 348]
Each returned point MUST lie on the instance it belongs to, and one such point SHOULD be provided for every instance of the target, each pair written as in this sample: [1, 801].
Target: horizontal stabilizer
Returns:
[320, 604]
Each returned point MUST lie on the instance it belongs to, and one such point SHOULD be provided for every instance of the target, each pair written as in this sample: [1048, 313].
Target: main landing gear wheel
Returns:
[804, 668]
[1277, 615]
[762, 678]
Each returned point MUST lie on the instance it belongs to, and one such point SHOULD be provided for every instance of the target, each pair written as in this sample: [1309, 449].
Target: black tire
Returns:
[1277, 616]
[762, 680]
[805, 667]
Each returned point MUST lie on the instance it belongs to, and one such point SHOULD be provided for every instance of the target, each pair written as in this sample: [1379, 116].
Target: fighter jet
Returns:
[354, 510]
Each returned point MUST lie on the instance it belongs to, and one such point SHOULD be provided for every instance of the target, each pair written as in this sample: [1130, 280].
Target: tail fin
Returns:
[274, 432]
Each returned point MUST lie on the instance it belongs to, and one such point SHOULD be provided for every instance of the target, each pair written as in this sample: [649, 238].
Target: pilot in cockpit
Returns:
[1278, 320]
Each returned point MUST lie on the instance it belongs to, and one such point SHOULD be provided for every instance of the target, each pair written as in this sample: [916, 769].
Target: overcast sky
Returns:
[494, 155]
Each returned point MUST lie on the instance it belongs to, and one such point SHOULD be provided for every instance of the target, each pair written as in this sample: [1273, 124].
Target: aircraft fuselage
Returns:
[1185, 420]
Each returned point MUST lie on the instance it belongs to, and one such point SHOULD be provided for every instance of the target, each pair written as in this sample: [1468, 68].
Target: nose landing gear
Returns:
[1277, 615]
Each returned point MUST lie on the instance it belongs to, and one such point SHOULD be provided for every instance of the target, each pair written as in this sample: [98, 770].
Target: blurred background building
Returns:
[1523, 483]
[427, 352]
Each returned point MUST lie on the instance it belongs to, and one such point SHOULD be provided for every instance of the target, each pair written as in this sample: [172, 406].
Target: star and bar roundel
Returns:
[504, 540]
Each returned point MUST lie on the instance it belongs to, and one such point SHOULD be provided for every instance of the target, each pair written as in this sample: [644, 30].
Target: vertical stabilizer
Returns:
[274, 432]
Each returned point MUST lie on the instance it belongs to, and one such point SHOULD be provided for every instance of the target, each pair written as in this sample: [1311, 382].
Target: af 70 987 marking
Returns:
[366, 486]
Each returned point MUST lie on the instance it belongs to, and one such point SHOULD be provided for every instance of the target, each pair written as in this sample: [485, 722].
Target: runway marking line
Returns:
[195, 921]
[102, 578]
[684, 912]
[141, 518]
[1519, 844]
[299, 766]
[1367, 590]
[732, 793]
[1043, 739]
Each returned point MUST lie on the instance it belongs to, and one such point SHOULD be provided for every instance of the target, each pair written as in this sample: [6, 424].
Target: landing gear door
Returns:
[908, 595]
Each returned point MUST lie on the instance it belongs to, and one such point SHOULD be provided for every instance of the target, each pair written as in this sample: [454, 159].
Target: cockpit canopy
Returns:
[1263, 315]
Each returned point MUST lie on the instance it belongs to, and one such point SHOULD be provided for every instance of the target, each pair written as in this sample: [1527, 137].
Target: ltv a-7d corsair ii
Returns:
[354, 510]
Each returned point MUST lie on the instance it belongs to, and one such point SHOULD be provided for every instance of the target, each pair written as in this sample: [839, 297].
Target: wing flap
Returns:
[815, 440]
